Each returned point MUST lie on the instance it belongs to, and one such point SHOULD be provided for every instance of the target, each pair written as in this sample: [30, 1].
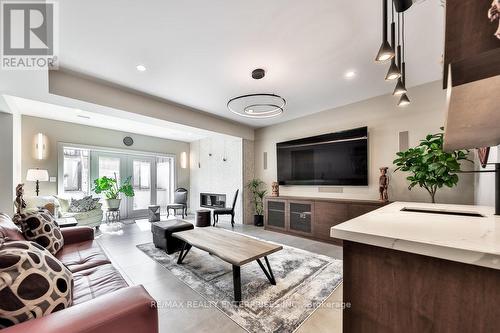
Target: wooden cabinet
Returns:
[312, 217]
[329, 214]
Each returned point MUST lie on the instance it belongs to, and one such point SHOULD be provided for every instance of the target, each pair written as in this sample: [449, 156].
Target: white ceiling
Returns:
[126, 122]
[200, 53]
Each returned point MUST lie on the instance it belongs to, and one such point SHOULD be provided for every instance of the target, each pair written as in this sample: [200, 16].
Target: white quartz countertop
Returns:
[466, 239]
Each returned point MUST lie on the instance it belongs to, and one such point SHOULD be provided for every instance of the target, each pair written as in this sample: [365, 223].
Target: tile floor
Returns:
[184, 313]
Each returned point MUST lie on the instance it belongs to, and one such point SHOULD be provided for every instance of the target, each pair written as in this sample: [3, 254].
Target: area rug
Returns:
[304, 281]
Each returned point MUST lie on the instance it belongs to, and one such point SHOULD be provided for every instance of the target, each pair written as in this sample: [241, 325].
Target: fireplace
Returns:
[212, 200]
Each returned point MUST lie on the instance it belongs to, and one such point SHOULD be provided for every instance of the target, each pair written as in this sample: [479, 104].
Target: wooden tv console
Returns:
[312, 217]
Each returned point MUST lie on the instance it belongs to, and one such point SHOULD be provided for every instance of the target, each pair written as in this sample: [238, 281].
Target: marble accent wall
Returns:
[216, 167]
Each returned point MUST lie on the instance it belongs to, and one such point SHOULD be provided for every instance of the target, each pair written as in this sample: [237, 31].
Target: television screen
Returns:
[339, 158]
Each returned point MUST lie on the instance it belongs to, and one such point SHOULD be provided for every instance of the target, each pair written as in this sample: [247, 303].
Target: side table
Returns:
[203, 218]
[112, 215]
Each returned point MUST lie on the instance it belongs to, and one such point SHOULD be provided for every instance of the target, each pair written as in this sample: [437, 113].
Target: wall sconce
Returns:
[40, 146]
[183, 160]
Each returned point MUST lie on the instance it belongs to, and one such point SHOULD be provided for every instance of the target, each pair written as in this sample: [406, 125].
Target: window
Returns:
[142, 175]
[76, 172]
[163, 182]
[152, 175]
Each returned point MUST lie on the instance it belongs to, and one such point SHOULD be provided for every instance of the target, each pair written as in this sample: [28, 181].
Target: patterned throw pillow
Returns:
[83, 205]
[33, 283]
[42, 228]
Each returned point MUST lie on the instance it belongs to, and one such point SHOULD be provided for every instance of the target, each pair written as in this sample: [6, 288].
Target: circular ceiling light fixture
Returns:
[257, 106]
[140, 68]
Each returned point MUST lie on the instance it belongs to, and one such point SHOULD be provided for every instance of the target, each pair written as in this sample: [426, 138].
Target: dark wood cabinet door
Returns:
[276, 214]
[301, 217]
[327, 215]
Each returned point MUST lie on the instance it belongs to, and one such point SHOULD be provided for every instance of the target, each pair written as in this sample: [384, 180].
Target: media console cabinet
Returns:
[312, 217]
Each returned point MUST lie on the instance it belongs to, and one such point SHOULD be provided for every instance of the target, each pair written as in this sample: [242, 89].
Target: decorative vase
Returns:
[275, 189]
[113, 204]
[258, 220]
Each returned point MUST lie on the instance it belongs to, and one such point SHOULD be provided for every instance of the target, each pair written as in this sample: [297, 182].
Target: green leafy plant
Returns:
[258, 193]
[431, 168]
[109, 187]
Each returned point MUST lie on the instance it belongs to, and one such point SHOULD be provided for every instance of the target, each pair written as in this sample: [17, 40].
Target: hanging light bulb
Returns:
[400, 87]
[393, 73]
[386, 51]
[404, 100]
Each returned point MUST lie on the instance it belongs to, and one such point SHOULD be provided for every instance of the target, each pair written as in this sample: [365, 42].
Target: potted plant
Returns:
[431, 168]
[109, 187]
[258, 194]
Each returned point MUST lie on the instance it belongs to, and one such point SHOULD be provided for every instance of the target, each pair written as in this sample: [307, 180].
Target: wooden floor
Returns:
[174, 315]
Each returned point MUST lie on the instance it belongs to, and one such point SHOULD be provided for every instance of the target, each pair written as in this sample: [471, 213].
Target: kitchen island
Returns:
[406, 270]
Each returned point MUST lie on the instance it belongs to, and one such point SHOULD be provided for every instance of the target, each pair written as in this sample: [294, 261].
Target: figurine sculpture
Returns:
[494, 15]
[20, 203]
[383, 184]
[275, 189]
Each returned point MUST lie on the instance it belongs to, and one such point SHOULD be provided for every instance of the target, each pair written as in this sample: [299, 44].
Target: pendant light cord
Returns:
[403, 40]
[403, 34]
[392, 7]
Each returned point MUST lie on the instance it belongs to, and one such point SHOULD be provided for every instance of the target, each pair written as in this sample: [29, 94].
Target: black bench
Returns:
[162, 234]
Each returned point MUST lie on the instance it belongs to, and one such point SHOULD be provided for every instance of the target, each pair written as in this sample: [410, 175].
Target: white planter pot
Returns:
[113, 203]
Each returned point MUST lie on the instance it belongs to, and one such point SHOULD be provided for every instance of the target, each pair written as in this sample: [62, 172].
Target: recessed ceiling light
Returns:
[140, 68]
[350, 74]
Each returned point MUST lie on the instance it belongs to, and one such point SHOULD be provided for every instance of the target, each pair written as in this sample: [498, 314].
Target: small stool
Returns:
[113, 215]
[203, 218]
[154, 213]
[162, 234]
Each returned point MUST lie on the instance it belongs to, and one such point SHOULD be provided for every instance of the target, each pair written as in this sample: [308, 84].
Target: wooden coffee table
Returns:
[231, 247]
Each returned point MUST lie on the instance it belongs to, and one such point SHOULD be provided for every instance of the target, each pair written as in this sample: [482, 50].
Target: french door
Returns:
[150, 176]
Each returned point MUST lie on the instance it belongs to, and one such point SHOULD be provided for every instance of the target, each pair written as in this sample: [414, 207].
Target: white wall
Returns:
[484, 183]
[6, 163]
[58, 131]
[213, 175]
[384, 120]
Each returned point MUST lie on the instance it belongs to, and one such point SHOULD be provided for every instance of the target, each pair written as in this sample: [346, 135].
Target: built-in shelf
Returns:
[212, 200]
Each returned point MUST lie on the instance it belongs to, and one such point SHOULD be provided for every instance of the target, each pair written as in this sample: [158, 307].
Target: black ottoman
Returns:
[162, 234]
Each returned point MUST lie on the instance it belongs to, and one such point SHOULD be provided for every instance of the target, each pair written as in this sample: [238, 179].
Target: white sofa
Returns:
[92, 218]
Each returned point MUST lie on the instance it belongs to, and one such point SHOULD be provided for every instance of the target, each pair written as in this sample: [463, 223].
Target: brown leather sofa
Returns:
[102, 300]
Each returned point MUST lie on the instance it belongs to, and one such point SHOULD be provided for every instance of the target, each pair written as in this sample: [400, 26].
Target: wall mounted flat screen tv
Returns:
[339, 158]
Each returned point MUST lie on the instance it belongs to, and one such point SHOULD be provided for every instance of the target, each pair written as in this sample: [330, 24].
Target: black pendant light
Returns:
[386, 51]
[400, 87]
[393, 73]
[404, 100]
[257, 106]
[402, 5]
